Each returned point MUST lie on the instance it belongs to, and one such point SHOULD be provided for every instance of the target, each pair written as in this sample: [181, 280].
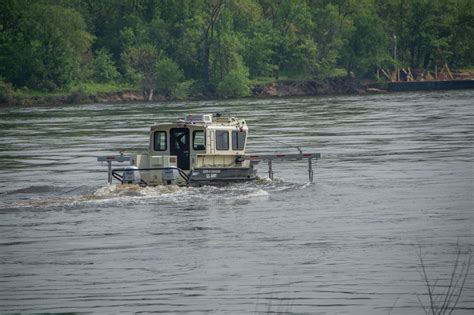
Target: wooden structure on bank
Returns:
[407, 75]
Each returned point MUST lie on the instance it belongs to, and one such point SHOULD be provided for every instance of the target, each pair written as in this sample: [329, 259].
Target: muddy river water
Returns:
[396, 179]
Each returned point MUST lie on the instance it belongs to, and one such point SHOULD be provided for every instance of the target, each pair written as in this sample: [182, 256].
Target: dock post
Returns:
[270, 169]
[310, 170]
[110, 172]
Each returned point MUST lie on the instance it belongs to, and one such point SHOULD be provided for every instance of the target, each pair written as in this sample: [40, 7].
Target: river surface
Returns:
[396, 179]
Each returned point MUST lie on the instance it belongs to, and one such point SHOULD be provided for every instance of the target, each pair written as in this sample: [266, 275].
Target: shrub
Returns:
[78, 95]
[140, 64]
[6, 91]
[235, 84]
[42, 43]
[168, 75]
[103, 66]
[184, 89]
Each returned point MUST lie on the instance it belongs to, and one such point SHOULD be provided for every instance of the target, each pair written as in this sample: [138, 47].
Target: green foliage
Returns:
[430, 32]
[187, 50]
[47, 45]
[42, 45]
[103, 66]
[140, 63]
[184, 89]
[235, 84]
[366, 47]
[328, 33]
[259, 49]
[458, 24]
[168, 76]
[141, 58]
[294, 47]
[98, 88]
[224, 57]
[6, 91]
[302, 57]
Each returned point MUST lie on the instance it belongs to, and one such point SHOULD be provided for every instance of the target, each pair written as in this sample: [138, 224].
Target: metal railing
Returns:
[269, 158]
[119, 177]
[113, 158]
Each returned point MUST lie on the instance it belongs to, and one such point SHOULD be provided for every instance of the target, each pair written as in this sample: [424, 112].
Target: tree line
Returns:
[177, 47]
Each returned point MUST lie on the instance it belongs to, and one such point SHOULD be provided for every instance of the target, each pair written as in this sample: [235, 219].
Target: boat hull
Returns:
[212, 176]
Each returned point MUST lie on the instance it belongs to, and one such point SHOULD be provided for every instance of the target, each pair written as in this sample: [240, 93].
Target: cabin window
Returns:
[199, 140]
[222, 140]
[159, 143]
[238, 140]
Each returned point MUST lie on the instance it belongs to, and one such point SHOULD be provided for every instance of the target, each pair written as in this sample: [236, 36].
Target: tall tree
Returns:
[42, 44]
[366, 45]
[329, 31]
[212, 12]
[459, 25]
[429, 32]
[260, 48]
[295, 48]
[141, 60]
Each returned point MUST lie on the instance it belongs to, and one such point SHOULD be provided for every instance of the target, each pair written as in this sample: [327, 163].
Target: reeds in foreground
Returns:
[444, 298]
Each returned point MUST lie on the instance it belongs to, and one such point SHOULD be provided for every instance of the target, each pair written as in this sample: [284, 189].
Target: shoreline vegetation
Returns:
[77, 51]
[110, 93]
[127, 94]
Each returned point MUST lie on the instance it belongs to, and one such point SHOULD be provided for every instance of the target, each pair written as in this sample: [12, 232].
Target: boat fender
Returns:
[131, 175]
[170, 176]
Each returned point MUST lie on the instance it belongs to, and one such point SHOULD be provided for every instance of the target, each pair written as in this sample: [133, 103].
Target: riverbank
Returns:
[426, 85]
[284, 88]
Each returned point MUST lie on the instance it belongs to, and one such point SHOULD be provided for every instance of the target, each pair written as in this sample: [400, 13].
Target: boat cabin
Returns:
[197, 148]
[199, 140]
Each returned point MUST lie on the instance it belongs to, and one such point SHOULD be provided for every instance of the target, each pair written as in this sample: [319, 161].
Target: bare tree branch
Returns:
[448, 299]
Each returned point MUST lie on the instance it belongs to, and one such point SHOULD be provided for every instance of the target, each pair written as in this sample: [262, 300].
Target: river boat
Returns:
[196, 150]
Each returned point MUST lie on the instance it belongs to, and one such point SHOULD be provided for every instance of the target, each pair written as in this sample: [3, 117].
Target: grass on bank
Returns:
[102, 88]
[335, 73]
[87, 89]
[74, 94]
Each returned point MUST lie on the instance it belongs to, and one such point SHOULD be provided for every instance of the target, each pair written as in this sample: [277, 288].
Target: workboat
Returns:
[196, 150]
